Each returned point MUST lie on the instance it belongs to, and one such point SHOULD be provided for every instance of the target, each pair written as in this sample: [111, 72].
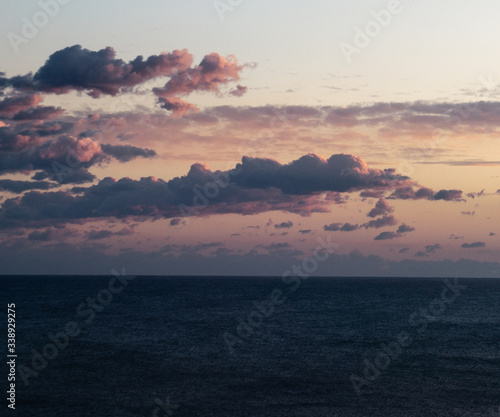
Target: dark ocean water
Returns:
[172, 338]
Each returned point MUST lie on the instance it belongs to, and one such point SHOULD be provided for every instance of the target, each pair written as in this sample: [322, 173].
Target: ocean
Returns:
[253, 346]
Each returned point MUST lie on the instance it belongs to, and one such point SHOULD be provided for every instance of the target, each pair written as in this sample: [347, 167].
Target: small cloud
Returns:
[176, 221]
[429, 249]
[474, 245]
[382, 207]
[284, 225]
[468, 213]
[387, 235]
[404, 228]
[404, 250]
[492, 234]
[305, 231]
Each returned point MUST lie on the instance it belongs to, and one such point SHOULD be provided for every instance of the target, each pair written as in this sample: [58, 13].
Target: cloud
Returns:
[176, 221]
[429, 249]
[305, 231]
[382, 222]
[404, 250]
[468, 213]
[124, 153]
[404, 228]
[99, 73]
[408, 193]
[41, 236]
[99, 234]
[20, 186]
[474, 245]
[492, 234]
[382, 207]
[255, 185]
[387, 235]
[12, 105]
[238, 91]
[284, 225]
[65, 159]
[346, 227]
[448, 195]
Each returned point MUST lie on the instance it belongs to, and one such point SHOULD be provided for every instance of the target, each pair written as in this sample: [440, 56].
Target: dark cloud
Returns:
[99, 72]
[239, 91]
[176, 221]
[492, 234]
[284, 225]
[429, 249]
[212, 72]
[12, 105]
[382, 222]
[38, 113]
[468, 213]
[124, 153]
[254, 186]
[382, 207]
[99, 234]
[448, 195]
[474, 245]
[41, 236]
[387, 235]
[305, 231]
[65, 159]
[404, 228]
[404, 250]
[340, 227]
[408, 193]
[20, 186]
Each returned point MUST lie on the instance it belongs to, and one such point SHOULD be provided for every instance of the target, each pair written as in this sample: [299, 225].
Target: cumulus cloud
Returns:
[238, 91]
[387, 235]
[429, 249]
[382, 207]
[346, 227]
[284, 225]
[65, 159]
[404, 228]
[12, 105]
[474, 245]
[98, 73]
[255, 185]
[448, 195]
[408, 193]
[14, 186]
[381, 222]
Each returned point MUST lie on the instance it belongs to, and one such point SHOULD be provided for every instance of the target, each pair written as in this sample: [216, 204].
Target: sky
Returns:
[237, 137]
